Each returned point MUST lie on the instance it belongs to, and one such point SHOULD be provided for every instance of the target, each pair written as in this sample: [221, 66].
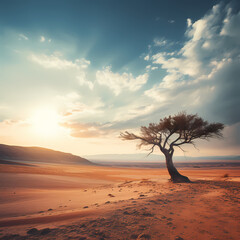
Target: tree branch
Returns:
[181, 149]
[152, 149]
[179, 137]
[166, 139]
[188, 126]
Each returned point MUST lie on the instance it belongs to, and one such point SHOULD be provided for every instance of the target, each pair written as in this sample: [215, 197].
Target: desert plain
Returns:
[57, 201]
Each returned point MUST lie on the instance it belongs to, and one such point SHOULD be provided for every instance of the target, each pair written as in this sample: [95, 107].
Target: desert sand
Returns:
[44, 201]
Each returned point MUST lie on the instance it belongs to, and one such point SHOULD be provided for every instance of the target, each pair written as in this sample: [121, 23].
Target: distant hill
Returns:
[38, 154]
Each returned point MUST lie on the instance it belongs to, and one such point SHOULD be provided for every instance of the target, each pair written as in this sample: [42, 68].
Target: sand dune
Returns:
[91, 202]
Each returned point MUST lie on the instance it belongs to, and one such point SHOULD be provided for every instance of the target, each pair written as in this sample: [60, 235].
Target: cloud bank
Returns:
[120, 82]
[203, 75]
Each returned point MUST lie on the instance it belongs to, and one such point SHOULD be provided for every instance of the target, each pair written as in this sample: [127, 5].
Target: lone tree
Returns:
[174, 131]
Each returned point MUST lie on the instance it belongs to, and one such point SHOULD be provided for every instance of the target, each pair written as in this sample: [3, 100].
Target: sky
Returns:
[74, 74]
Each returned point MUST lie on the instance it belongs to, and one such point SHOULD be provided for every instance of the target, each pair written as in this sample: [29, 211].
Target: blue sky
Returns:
[95, 68]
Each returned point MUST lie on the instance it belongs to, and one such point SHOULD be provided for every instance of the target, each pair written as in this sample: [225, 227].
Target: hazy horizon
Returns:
[141, 157]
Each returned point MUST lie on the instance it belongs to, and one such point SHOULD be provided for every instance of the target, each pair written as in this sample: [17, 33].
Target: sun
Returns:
[45, 122]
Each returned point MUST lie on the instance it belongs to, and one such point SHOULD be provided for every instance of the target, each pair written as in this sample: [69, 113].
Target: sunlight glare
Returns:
[45, 122]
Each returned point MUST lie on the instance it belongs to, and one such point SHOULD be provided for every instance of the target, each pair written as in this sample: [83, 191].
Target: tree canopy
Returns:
[175, 131]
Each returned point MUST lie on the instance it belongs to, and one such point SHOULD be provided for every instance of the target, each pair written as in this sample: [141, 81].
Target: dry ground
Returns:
[91, 202]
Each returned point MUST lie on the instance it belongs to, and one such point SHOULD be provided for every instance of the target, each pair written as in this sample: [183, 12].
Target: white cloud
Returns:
[150, 67]
[55, 62]
[72, 105]
[171, 21]
[231, 25]
[189, 22]
[204, 71]
[83, 63]
[198, 29]
[77, 69]
[22, 36]
[83, 81]
[133, 111]
[205, 45]
[159, 94]
[183, 65]
[160, 42]
[146, 58]
[42, 39]
[117, 82]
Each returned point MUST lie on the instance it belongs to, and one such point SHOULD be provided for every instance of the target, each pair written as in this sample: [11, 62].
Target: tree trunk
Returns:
[176, 177]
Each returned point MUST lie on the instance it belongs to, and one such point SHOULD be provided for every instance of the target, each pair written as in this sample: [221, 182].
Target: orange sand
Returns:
[93, 202]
